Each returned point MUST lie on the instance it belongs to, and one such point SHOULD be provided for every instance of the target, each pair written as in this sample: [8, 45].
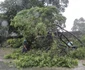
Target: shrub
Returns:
[7, 56]
[15, 43]
[79, 53]
[12, 56]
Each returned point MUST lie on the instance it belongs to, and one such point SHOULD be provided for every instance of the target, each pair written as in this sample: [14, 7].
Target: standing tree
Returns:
[60, 4]
[79, 25]
[13, 6]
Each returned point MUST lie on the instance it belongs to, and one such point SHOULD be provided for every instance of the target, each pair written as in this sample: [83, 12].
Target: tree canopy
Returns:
[13, 6]
[60, 4]
[37, 22]
[79, 25]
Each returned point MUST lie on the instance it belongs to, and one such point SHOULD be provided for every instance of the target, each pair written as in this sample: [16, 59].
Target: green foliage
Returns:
[37, 58]
[36, 22]
[79, 25]
[83, 38]
[79, 53]
[45, 62]
[13, 6]
[7, 56]
[14, 55]
[15, 43]
[2, 16]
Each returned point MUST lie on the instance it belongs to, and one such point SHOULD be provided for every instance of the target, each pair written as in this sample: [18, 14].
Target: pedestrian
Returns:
[25, 46]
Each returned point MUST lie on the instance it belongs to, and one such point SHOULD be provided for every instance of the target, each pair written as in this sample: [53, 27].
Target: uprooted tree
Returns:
[36, 24]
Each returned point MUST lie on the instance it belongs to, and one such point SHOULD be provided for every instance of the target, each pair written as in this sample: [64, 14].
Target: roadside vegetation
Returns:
[34, 24]
[37, 58]
[39, 25]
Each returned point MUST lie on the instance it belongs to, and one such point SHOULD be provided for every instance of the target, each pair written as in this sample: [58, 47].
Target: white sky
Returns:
[74, 10]
[1, 0]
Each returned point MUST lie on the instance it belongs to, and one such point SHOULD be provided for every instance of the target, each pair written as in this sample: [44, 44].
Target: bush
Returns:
[15, 43]
[79, 53]
[14, 55]
[8, 56]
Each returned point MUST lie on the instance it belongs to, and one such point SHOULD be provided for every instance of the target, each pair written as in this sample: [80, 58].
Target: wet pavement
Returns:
[5, 66]
[80, 65]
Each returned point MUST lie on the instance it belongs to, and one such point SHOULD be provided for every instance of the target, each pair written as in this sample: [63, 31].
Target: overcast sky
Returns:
[74, 10]
[1, 0]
